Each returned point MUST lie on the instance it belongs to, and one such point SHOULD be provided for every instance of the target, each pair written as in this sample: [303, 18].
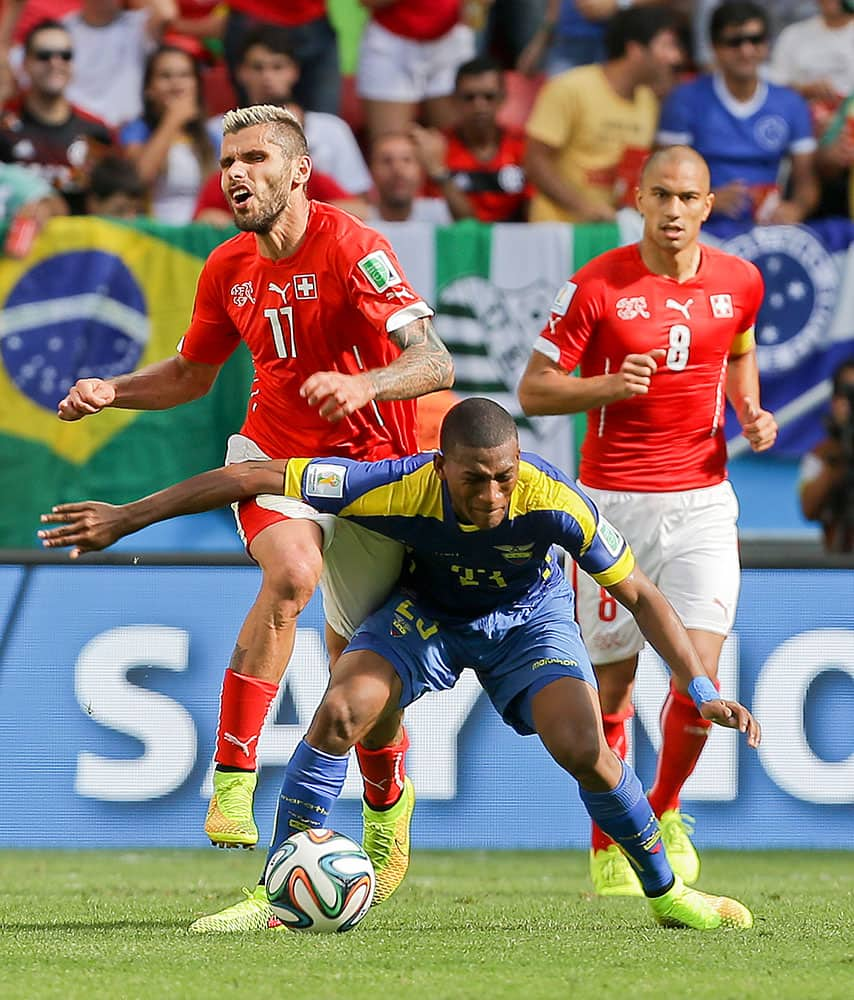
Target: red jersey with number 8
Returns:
[329, 306]
[671, 438]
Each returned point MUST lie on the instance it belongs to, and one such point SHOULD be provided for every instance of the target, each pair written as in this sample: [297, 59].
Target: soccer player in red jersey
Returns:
[662, 332]
[342, 345]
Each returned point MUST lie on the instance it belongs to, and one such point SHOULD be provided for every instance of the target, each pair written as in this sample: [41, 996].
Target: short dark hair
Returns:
[47, 24]
[477, 422]
[276, 40]
[477, 66]
[115, 175]
[734, 13]
[636, 24]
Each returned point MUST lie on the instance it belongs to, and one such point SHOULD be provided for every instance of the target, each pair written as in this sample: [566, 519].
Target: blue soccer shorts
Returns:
[515, 653]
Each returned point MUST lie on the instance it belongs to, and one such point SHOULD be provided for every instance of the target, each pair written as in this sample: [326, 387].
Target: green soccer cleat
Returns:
[253, 913]
[684, 907]
[612, 873]
[386, 841]
[229, 822]
[676, 829]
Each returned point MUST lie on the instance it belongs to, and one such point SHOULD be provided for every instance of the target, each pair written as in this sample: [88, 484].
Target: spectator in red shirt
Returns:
[477, 166]
[312, 40]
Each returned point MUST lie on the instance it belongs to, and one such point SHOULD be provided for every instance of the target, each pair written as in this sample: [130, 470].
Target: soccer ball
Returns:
[320, 881]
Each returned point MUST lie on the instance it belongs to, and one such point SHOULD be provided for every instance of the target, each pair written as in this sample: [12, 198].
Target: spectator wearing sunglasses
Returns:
[749, 132]
[44, 130]
[477, 166]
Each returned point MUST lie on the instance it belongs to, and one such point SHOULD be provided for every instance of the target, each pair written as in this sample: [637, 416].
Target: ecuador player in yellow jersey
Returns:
[481, 591]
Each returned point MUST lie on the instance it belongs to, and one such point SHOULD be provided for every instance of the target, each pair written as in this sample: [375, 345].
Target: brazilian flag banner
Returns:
[98, 298]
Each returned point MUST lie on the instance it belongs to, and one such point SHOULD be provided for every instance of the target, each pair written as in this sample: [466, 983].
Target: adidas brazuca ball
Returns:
[320, 881]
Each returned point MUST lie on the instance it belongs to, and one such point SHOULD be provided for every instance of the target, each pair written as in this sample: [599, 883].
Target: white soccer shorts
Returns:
[687, 543]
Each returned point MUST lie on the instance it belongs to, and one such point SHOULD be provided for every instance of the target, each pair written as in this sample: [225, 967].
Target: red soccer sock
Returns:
[383, 772]
[615, 735]
[242, 709]
[683, 735]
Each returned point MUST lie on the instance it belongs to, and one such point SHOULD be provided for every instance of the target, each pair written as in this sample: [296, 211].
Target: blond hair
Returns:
[285, 129]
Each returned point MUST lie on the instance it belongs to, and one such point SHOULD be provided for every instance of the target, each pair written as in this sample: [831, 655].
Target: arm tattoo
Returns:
[424, 364]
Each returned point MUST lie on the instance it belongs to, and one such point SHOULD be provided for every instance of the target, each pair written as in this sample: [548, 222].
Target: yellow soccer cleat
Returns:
[612, 873]
[253, 913]
[229, 822]
[386, 841]
[676, 829]
[684, 907]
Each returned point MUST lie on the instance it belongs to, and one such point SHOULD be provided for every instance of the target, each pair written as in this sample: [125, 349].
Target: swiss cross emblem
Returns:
[721, 306]
[305, 286]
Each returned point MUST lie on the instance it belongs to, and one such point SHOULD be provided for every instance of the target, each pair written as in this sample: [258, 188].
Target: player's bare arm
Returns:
[661, 625]
[424, 365]
[89, 525]
[156, 387]
[742, 389]
[547, 388]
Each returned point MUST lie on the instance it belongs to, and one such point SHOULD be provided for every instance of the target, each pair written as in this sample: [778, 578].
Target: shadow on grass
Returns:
[10, 926]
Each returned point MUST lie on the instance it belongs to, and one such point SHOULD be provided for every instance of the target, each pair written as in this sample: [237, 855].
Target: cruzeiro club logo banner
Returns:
[75, 315]
[802, 282]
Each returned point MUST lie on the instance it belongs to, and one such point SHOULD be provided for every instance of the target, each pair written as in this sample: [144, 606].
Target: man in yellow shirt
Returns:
[591, 127]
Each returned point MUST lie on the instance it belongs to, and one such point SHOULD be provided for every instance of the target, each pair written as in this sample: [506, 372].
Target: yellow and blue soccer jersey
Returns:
[456, 569]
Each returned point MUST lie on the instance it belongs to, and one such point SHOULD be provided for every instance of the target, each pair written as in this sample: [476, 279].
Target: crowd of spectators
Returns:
[488, 109]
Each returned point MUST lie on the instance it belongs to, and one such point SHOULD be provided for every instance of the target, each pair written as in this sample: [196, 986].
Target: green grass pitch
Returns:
[465, 925]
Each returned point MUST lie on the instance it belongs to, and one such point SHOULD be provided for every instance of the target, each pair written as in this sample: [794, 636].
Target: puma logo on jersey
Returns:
[273, 287]
[673, 304]
[229, 738]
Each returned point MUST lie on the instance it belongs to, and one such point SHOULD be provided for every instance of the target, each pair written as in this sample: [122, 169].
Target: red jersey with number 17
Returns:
[671, 438]
[329, 306]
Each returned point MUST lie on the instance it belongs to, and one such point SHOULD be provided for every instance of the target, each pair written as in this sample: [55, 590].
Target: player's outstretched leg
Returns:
[389, 799]
[313, 781]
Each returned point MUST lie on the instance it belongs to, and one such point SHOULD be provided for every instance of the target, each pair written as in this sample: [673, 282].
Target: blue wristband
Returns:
[702, 689]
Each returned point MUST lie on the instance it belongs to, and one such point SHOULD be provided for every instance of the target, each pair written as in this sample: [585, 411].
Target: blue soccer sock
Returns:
[313, 781]
[627, 817]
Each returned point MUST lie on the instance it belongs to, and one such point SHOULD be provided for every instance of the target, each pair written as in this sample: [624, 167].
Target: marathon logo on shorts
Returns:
[379, 270]
[610, 537]
[324, 480]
